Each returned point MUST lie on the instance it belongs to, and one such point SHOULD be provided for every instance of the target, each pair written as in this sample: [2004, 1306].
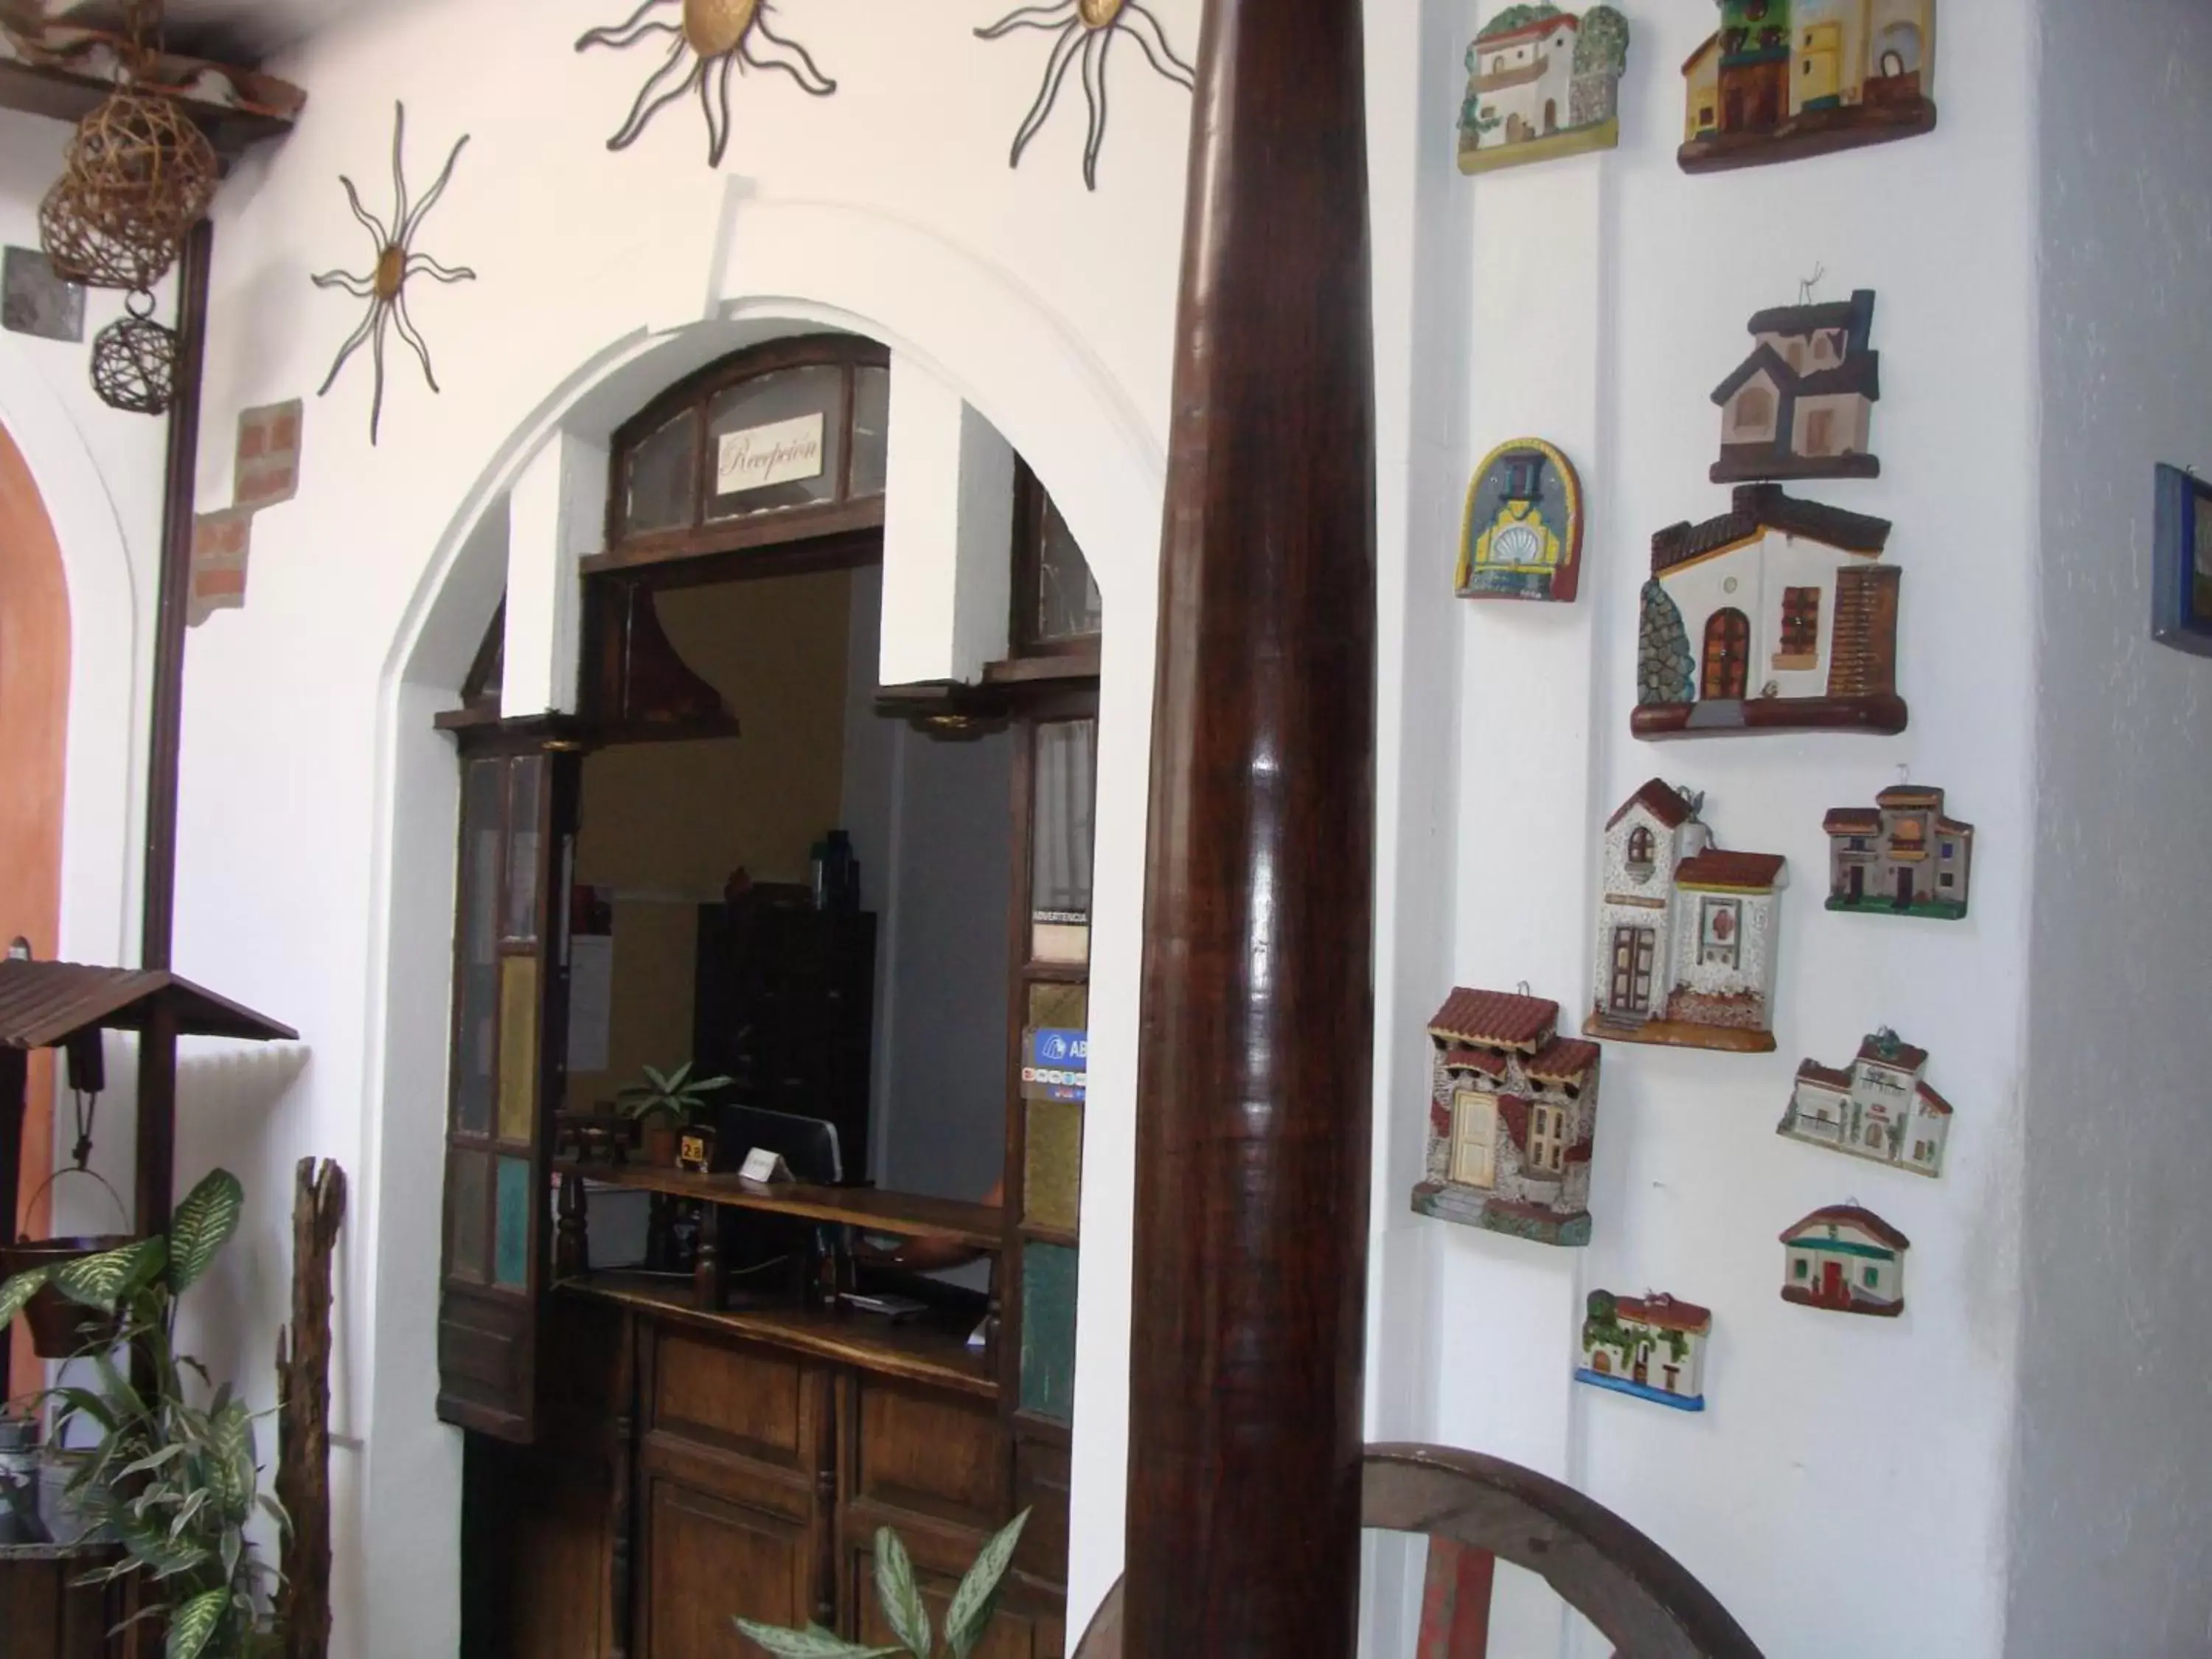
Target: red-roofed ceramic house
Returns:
[1512, 1118]
[1847, 1260]
[1652, 1347]
[1880, 1109]
[1687, 934]
[1901, 857]
[1542, 82]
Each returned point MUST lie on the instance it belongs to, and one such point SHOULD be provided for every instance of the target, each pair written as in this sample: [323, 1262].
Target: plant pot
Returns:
[661, 1140]
[61, 1328]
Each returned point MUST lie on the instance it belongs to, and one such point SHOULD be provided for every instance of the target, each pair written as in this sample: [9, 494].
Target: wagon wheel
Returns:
[1478, 1511]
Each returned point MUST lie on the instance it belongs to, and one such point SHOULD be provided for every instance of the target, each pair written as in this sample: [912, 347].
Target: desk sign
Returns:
[764, 1166]
[1056, 1066]
[695, 1151]
[783, 452]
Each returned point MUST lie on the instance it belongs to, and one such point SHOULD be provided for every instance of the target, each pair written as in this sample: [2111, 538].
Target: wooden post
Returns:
[1256, 1067]
[155, 1193]
[303, 1433]
[14, 1080]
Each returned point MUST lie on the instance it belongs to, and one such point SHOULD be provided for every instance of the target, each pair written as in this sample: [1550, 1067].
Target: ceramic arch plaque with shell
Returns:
[1087, 29]
[708, 41]
[1521, 538]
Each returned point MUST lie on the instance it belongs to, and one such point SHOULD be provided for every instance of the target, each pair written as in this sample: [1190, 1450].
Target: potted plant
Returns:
[174, 1481]
[975, 1604]
[662, 1104]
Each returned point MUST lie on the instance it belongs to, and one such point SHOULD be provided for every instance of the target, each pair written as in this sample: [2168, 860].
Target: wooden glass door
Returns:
[1727, 656]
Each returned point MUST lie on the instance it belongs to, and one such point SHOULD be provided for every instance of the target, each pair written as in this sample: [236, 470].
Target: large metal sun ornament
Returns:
[384, 286]
[707, 40]
[1088, 27]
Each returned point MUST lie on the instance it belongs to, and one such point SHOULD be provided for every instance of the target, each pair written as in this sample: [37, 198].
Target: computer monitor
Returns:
[808, 1145]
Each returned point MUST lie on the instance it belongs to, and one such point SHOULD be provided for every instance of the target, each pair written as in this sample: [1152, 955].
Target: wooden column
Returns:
[14, 1079]
[1256, 1069]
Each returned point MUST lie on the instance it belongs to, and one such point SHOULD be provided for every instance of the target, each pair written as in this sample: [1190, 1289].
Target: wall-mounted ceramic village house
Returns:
[1901, 857]
[1687, 934]
[1652, 1347]
[1881, 1109]
[1847, 1260]
[1802, 404]
[1542, 82]
[1781, 79]
[1776, 616]
[1512, 1118]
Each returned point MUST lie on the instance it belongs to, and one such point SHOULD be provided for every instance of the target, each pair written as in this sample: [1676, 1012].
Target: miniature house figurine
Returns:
[1881, 1109]
[1522, 535]
[1653, 1347]
[1902, 857]
[1776, 616]
[1686, 934]
[1846, 1259]
[1801, 405]
[1785, 78]
[1512, 1112]
[1542, 82]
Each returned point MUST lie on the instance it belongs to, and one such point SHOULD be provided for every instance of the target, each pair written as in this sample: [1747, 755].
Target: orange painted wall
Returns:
[34, 674]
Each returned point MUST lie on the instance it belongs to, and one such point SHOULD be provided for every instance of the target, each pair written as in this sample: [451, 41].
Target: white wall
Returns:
[2112, 1481]
[1597, 302]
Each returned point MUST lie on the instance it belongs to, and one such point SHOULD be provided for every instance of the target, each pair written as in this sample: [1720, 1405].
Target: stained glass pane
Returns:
[1068, 600]
[511, 1262]
[476, 1027]
[525, 778]
[1060, 870]
[1060, 1007]
[1054, 1147]
[518, 1048]
[664, 470]
[465, 1212]
[872, 426]
[1049, 1332]
[777, 440]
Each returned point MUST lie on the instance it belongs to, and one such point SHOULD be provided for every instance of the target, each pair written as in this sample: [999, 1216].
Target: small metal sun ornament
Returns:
[384, 286]
[1088, 27]
[707, 40]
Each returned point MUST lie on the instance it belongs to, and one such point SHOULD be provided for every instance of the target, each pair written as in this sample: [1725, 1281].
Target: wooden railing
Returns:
[1477, 1511]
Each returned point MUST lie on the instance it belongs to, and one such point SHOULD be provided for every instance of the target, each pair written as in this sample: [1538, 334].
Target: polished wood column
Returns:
[1256, 1069]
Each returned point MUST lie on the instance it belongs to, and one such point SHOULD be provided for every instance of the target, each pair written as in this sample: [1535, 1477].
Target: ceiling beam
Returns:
[62, 71]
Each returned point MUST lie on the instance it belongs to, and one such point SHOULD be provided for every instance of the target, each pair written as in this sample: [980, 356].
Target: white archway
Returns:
[779, 268]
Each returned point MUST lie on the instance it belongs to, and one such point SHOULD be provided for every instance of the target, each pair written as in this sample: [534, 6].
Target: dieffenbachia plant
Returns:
[974, 1605]
[175, 1484]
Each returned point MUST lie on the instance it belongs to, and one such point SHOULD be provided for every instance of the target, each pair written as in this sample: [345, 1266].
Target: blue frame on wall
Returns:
[2181, 563]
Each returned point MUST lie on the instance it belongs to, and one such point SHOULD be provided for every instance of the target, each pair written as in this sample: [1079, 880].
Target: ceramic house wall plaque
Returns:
[1846, 1259]
[1687, 933]
[1881, 1109]
[1521, 538]
[1542, 82]
[1781, 79]
[1651, 1347]
[1512, 1118]
[1802, 404]
[1778, 616]
[1901, 857]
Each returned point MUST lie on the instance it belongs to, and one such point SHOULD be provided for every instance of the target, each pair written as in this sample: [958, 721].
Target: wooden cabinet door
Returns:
[709, 1559]
[1025, 1628]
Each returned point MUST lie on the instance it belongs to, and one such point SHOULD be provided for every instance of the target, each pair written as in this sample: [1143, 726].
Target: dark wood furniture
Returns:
[1255, 1079]
[783, 1003]
[46, 1612]
[1477, 1511]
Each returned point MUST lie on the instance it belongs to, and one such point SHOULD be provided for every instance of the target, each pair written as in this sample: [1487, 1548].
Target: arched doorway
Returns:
[1727, 656]
[34, 678]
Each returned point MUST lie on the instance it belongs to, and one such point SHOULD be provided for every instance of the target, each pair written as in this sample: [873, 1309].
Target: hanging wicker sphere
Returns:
[134, 361]
[139, 176]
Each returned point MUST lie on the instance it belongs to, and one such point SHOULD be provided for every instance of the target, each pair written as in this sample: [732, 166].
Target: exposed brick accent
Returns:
[266, 473]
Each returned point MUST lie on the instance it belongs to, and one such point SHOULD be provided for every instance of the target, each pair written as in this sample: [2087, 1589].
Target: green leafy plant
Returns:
[175, 1483]
[676, 1097]
[975, 1604]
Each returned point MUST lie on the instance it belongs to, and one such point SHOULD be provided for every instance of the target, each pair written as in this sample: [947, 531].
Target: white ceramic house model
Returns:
[1881, 1109]
[1687, 933]
[1512, 1119]
[1846, 1259]
[1652, 1347]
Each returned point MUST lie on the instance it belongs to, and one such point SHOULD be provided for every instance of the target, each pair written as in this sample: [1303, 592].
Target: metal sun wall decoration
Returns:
[707, 39]
[1087, 28]
[384, 286]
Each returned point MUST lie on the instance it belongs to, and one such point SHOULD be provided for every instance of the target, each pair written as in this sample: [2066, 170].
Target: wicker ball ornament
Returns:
[139, 176]
[134, 361]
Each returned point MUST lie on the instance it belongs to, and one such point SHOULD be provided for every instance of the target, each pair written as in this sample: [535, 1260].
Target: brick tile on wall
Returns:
[266, 473]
